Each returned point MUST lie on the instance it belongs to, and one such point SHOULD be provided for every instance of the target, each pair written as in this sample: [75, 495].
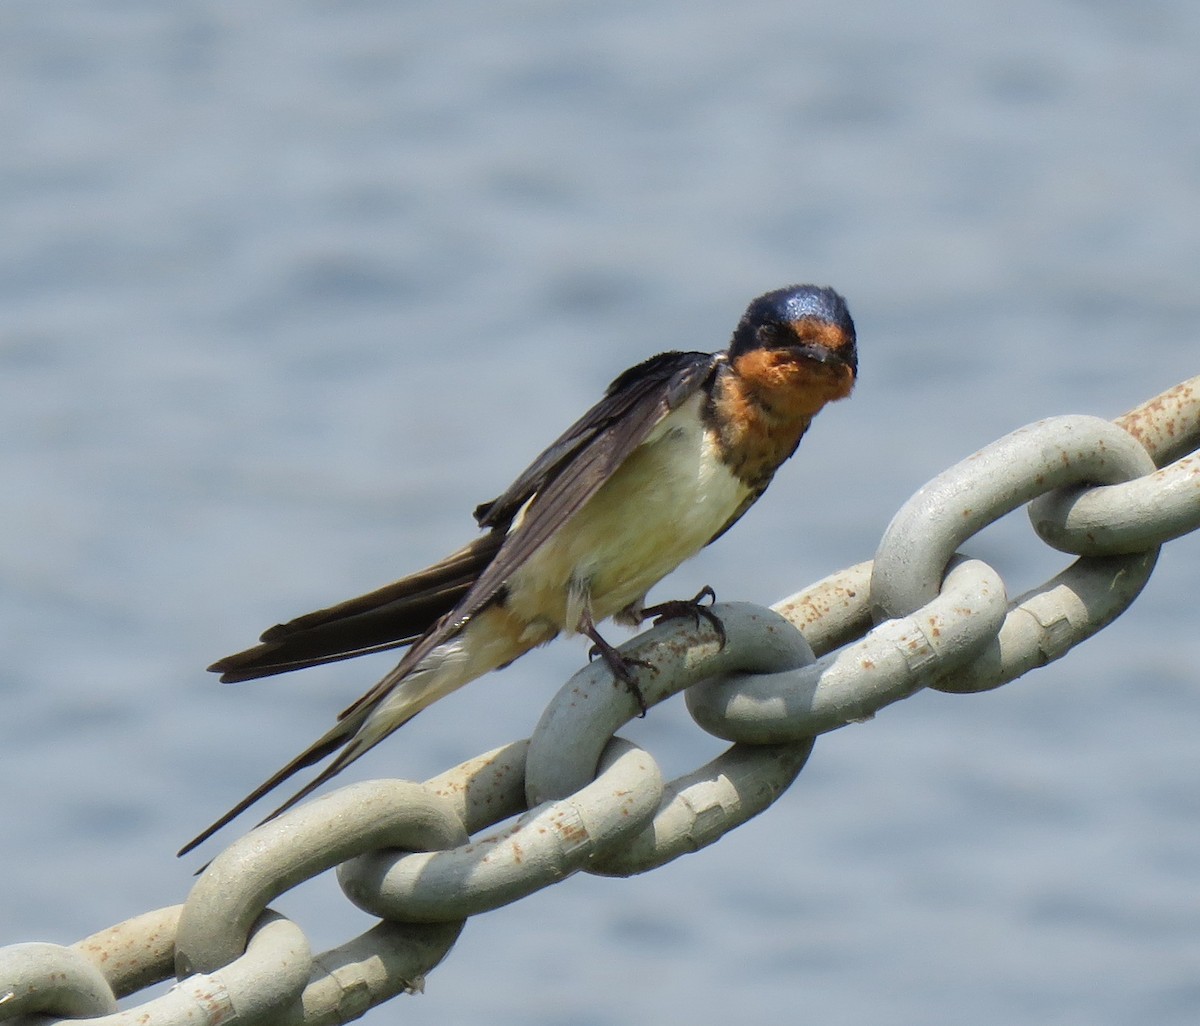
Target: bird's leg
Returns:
[621, 666]
[689, 607]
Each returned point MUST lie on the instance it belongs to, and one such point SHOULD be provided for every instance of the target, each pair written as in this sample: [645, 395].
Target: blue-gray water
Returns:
[286, 288]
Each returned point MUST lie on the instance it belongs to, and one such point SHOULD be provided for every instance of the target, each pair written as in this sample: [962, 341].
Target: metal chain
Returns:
[919, 615]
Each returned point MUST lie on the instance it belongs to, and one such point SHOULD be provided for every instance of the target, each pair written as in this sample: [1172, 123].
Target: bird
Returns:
[679, 447]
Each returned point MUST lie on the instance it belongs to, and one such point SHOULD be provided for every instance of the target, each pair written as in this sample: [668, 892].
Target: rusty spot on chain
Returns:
[1156, 424]
[572, 833]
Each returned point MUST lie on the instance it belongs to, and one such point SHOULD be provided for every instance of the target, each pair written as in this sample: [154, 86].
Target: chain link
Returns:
[919, 615]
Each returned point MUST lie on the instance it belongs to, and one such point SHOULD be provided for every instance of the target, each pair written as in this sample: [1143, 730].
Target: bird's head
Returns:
[809, 320]
[802, 331]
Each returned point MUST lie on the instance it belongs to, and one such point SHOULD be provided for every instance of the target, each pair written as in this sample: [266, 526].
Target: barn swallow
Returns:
[678, 448]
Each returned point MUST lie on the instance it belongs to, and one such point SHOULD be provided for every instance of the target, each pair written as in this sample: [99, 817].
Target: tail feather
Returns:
[340, 734]
[388, 706]
[390, 617]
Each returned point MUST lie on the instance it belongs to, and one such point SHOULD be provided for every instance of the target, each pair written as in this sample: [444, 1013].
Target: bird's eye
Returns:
[772, 335]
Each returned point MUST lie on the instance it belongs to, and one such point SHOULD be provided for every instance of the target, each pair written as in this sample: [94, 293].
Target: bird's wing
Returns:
[632, 405]
[444, 595]
[554, 488]
[558, 483]
[390, 617]
[571, 471]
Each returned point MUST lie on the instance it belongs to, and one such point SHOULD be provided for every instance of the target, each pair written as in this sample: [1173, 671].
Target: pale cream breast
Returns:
[662, 505]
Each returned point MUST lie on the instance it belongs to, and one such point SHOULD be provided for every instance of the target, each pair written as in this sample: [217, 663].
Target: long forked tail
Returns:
[388, 706]
[340, 734]
[389, 617]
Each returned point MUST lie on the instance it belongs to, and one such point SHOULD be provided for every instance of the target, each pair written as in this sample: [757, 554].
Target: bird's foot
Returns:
[692, 607]
[621, 666]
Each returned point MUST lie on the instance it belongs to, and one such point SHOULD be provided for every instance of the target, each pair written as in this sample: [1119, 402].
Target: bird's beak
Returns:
[817, 353]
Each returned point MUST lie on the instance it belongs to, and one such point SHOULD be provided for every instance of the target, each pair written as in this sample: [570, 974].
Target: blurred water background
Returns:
[287, 288]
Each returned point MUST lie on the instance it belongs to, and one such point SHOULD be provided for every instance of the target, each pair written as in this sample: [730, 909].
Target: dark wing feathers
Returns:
[431, 605]
[606, 435]
[394, 615]
[594, 446]
[651, 379]
[428, 607]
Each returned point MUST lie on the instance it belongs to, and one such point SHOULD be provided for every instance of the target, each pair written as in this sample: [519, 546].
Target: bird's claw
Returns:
[692, 607]
[622, 668]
